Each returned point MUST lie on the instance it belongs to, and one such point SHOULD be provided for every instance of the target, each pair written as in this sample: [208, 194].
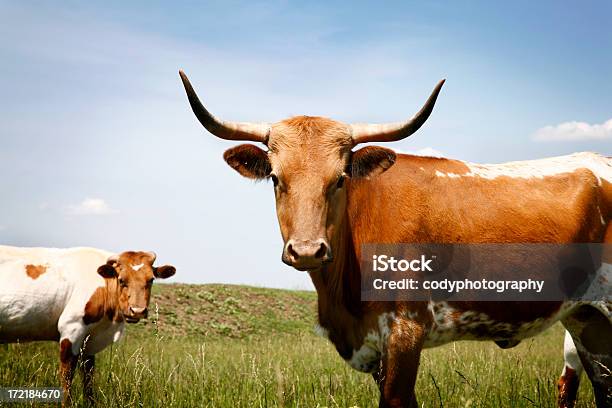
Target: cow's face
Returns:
[309, 161]
[134, 274]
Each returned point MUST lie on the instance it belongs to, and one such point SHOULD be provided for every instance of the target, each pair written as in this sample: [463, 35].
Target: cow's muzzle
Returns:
[305, 255]
[135, 314]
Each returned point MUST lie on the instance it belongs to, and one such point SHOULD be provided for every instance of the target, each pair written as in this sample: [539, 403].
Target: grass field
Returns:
[236, 346]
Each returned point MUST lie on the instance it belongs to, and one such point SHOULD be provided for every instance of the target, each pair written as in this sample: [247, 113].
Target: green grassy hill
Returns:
[229, 311]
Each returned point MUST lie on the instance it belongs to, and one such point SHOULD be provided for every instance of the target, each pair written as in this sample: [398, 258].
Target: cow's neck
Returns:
[338, 284]
[111, 300]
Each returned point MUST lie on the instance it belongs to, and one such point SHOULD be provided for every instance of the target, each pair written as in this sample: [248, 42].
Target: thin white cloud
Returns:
[429, 151]
[91, 206]
[425, 151]
[572, 131]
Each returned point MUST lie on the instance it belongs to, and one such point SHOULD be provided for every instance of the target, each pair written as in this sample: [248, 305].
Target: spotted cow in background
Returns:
[331, 199]
[79, 297]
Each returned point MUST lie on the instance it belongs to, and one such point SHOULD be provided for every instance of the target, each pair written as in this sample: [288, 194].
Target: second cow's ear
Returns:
[370, 161]
[163, 272]
[107, 271]
[248, 160]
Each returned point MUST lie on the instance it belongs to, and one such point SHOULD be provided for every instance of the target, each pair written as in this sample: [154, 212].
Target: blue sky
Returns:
[100, 148]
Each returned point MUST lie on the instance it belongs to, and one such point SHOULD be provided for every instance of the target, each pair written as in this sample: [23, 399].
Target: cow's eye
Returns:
[274, 179]
[340, 182]
[122, 282]
[150, 282]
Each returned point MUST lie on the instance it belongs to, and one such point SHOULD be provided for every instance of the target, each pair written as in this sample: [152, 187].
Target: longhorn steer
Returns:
[331, 199]
[80, 297]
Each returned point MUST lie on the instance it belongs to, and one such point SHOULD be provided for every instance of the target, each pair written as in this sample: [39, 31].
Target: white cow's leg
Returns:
[570, 377]
[68, 362]
[72, 332]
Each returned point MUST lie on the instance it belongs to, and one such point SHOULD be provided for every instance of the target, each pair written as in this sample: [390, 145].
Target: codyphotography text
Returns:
[486, 272]
[384, 263]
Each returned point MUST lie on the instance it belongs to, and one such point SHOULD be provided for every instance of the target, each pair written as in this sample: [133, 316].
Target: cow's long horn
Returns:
[256, 132]
[390, 132]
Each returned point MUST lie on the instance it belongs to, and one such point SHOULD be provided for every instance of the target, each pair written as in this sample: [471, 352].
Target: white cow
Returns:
[79, 297]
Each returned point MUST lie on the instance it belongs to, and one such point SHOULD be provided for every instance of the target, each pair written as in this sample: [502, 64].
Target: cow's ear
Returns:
[163, 272]
[107, 271]
[370, 161]
[248, 160]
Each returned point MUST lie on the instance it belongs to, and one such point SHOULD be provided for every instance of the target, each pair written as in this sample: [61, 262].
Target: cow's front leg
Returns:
[87, 371]
[68, 362]
[399, 365]
[72, 332]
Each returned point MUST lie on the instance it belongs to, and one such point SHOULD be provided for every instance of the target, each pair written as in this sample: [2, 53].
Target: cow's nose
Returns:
[138, 311]
[307, 254]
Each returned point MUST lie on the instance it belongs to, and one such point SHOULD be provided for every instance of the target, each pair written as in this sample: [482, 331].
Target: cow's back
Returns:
[40, 284]
[562, 199]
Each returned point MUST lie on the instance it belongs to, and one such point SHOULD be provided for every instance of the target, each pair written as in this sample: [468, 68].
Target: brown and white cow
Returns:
[330, 199]
[79, 297]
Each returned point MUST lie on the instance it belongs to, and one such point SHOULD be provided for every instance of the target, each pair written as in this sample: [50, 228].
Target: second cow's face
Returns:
[134, 273]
